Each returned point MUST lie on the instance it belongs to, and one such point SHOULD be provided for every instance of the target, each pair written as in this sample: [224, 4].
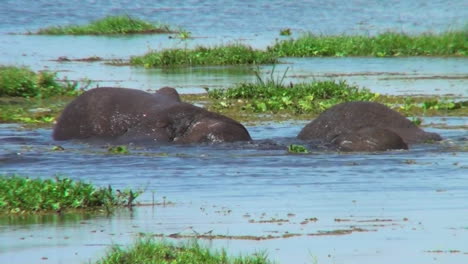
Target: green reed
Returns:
[233, 54]
[23, 82]
[151, 251]
[452, 43]
[110, 25]
[273, 95]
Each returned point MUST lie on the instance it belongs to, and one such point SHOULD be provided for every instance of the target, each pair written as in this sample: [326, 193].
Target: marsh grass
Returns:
[31, 111]
[297, 149]
[23, 82]
[233, 54]
[151, 251]
[110, 25]
[22, 195]
[268, 98]
[118, 150]
[453, 43]
[273, 95]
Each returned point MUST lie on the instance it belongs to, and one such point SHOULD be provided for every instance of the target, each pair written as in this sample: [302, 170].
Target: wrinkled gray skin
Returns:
[133, 116]
[365, 126]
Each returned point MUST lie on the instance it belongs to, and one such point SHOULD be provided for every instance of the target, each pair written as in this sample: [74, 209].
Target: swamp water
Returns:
[399, 206]
[326, 207]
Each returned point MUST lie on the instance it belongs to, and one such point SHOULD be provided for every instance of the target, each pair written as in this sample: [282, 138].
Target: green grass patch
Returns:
[272, 95]
[151, 251]
[234, 54]
[32, 111]
[22, 195]
[23, 82]
[110, 25]
[30, 97]
[454, 43]
[118, 150]
[297, 149]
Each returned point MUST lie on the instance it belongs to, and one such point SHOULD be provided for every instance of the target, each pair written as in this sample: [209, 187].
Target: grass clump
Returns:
[297, 149]
[20, 195]
[110, 25]
[33, 111]
[452, 43]
[234, 54]
[273, 96]
[118, 150]
[150, 251]
[285, 32]
[22, 82]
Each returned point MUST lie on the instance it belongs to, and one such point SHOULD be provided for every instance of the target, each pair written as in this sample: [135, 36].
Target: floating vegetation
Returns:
[285, 32]
[34, 111]
[297, 149]
[58, 148]
[272, 95]
[234, 54]
[184, 35]
[151, 251]
[121, 150]
[383, 45]
[37, 98]
[23, 82]
[110, 25]
[21, 195]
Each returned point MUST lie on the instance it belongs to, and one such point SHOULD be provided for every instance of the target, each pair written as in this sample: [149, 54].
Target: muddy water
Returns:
[401, 206]
[393, 207]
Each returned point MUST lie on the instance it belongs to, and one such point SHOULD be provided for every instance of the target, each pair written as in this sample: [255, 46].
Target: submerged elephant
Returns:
[365, 126]
[127, 115]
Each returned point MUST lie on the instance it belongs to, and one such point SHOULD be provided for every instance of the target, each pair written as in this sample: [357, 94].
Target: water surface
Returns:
[255, 23]
[411, 204]
[398, 197]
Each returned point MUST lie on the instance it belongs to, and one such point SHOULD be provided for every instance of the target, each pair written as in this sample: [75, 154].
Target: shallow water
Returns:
[412, 204]
[256, 23]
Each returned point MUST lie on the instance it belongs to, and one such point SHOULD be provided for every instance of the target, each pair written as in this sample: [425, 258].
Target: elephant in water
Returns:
[365, 126]
[132, 116]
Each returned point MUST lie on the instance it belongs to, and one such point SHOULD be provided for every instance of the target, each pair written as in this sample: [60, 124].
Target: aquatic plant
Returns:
[121, 149]
[272, 95]
[184, 35]
[233, 54]
[416, 120]
[151, 251]
[451, 43]
[110, 25]
[23, 82]
[297, 149]
[20, 195]
[440, 105]
[285, 32]
[31, 110]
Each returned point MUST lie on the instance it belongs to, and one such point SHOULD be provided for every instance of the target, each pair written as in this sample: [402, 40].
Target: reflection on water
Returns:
[393, 198]
[47, 219]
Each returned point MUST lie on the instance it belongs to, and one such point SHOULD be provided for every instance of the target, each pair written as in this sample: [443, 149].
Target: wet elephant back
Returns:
[103, 112]
[352, 116]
